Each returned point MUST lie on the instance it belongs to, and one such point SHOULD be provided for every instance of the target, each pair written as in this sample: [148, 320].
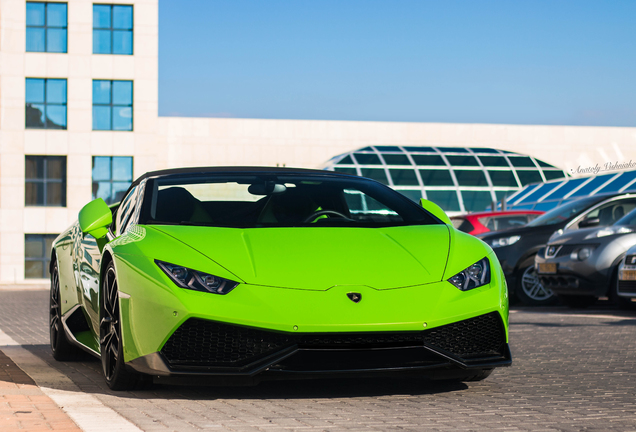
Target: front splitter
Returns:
[435, 364]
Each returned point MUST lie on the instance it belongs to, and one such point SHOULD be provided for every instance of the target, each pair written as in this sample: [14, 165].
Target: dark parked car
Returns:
[483, 222]
[516, 248]
[582, 265]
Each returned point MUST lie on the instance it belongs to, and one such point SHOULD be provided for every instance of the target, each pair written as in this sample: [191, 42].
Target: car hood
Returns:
[578, 236]
[321, 258]
[521, 231]
[573, 236]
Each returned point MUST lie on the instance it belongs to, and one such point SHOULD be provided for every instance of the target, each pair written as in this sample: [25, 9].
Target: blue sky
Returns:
[519, 62]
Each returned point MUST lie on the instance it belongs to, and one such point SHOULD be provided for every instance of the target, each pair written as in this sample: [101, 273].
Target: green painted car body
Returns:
[293, 282]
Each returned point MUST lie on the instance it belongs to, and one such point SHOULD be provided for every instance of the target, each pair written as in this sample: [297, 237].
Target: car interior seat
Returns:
[606, 216]
[176, 204]
[619, 212]
[290, 207]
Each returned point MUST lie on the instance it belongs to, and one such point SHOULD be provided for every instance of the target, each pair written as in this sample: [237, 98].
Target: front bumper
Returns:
[574, 277]
[201, 347]
[153, 310]
[627, 286]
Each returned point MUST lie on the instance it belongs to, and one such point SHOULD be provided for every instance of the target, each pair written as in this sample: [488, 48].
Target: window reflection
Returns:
[112, 176]
[37, 255]
[45, 103]
[45, 181]
[112, 105]
[46, 27]
[112, 29]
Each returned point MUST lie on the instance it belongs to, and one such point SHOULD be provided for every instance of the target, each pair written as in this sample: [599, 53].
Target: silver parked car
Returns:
[626, 286]
[580, 266]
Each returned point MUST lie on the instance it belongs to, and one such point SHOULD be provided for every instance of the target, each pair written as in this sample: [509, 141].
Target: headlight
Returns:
[195, 280]
[609, 231]
[504, 241]
[583, 253]
[474, 276]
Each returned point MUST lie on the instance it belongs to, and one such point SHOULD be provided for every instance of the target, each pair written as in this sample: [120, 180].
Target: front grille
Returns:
[627, 287]
[360, 340]
[475, 337]
[551, 282]
[211, 344]
[208, 343]
[567, 249]
[552, 251]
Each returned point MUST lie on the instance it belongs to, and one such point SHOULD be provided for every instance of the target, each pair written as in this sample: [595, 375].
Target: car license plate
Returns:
[628, 275]
[547, 268]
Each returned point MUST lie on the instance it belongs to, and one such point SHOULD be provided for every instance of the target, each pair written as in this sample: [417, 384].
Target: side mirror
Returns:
[436, 210]
[590, 222]
[95, 217]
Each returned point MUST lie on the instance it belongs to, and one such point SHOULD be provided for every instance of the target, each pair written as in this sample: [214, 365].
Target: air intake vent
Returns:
[476, 337]
[212, 344]
[208, 343]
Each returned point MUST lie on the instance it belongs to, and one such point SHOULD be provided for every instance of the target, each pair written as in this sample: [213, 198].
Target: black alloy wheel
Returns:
[530, 290]
[110, 343]
[60, 347]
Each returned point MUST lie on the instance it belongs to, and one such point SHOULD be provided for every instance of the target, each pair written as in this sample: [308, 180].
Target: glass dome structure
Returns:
[546, 196]
[458, 179]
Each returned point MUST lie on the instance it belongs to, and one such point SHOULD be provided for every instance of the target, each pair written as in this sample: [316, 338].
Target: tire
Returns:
[479, 376]
[577, 302]
[529, 290]
[117, 376]
[61, 348]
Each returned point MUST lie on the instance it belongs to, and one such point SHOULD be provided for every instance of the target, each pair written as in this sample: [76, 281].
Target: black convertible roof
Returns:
[237, 170]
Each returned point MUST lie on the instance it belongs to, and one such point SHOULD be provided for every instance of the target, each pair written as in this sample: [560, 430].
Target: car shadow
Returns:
[86, 374]
[602, 307]
[616, 323]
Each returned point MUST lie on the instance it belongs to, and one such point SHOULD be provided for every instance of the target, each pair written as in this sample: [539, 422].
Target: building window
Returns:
[112, 29]
[45, 103]
[112, 105]
[46, 27]
[476, 200]
[45, 178]
[112, 176]
[446, 199]
[37, 255]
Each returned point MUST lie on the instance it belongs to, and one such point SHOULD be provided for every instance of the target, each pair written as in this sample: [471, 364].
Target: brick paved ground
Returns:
[23, 406]
[571, 372]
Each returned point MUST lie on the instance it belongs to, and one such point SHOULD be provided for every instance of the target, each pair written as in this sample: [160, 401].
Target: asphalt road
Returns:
[572, 371]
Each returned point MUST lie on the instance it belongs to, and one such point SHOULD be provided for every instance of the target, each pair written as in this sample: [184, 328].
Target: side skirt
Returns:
[74, 323]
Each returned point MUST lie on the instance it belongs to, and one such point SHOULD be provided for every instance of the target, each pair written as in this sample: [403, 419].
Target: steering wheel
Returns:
[319, 213]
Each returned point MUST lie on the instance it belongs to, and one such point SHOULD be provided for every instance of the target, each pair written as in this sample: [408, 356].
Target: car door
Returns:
[605, 213]
[89, 257]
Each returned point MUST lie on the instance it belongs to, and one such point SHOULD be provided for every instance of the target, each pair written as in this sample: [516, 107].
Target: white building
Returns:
[78, 118]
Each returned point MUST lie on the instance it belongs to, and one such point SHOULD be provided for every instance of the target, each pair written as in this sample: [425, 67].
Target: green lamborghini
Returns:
[237, 275]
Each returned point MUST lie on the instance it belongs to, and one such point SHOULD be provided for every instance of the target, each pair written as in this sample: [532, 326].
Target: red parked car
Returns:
[483, 222]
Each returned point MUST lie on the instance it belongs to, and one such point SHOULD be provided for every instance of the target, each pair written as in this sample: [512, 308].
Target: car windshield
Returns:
[563, 213]
[628, 219]
[276, 200]
[503, 222]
